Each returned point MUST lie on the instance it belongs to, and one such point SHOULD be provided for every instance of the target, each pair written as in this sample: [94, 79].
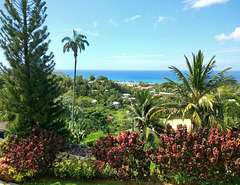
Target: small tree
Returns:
[92, 77]
[30, 90]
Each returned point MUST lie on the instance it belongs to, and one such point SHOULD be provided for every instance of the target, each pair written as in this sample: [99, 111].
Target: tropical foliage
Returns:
[124, 124]
[195, 91]
[146, 120]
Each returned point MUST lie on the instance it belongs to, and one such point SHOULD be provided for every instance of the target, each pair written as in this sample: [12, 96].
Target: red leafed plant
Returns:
[201, 154]
[125, 153]
[4, 170]
[35, 153]
[208, 153]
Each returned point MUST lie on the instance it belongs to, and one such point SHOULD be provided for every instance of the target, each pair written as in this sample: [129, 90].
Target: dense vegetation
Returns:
[47, 113]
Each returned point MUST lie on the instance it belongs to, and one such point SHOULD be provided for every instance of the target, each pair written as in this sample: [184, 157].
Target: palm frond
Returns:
[223, 92]
[66, 47]
[196, 118]
[206, 102]
[188, 65]
[218, 75]
[188, 108]
[182, 78]
[139, 119]
[144, 135]
[68, 39]
[78, 42]
[208, 69]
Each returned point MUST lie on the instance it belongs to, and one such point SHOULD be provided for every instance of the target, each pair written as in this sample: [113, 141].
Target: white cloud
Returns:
[221, 37]
[233, 36]
[87, 32]
[114, 23]
[78, 29]
[202, 3]
[228, 50]
[91, 33]
[160, 19]
[132, 18]
[236, 34]
[94, 24]
[138, 57]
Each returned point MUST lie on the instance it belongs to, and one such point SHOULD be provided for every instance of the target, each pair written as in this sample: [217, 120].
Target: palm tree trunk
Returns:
[74, 84]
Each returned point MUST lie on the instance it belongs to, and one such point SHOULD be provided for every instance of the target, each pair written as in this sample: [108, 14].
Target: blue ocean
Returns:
[136, 76]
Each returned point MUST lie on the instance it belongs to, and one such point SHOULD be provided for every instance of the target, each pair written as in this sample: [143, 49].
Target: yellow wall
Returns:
[175, 122]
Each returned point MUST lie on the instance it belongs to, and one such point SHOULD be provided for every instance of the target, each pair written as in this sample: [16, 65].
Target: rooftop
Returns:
[3, 125]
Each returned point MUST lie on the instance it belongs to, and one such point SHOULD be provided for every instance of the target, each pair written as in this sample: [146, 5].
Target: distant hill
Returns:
[58, 73]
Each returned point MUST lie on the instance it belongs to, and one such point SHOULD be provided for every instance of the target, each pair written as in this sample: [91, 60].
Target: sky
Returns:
[144, 34]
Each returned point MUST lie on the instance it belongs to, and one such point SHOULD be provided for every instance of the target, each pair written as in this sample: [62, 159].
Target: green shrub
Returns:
[66, 165]
[93, 137]
[4, 144]
[20, 176]
[104, 170]
[153, 144]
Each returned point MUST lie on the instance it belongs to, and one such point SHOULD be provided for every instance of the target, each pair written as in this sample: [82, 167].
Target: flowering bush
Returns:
[201, 154]
[4, 170]
[66, 165]
[125, 153]
[34, 154]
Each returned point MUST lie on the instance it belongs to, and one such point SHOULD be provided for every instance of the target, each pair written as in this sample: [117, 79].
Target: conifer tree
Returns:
[30, 91]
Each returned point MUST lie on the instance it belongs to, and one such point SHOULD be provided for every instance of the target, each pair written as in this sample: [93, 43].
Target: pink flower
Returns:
[212, 160]
[160, 158]
[198, 155]
[174, 147]
[178, 155]
[96, 144]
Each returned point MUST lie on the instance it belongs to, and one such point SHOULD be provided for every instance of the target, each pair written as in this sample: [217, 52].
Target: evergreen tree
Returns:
[1, 81]
[30, 90]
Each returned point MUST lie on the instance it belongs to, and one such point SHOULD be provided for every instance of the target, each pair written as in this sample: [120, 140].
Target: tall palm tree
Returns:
[195, 88]
[77, 43]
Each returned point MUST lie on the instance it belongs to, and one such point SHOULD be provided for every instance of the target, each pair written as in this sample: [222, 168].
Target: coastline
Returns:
[136, 76]
[125, 76]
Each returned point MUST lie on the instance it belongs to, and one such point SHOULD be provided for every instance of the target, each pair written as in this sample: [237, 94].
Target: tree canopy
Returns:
[30, 90]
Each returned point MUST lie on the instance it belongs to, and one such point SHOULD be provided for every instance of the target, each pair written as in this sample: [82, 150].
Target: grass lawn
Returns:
[67, 182]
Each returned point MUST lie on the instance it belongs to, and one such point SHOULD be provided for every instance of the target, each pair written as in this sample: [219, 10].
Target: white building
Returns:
[125, 96]
[116, 103]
